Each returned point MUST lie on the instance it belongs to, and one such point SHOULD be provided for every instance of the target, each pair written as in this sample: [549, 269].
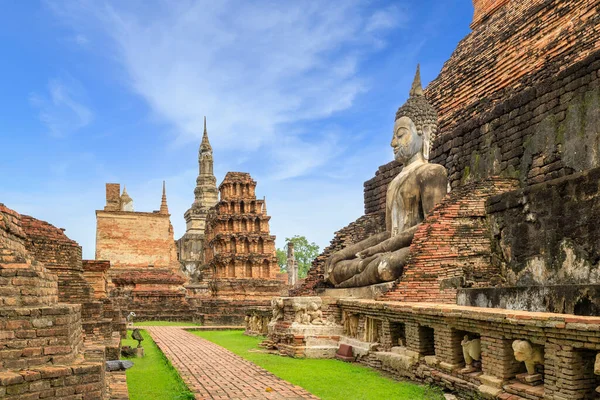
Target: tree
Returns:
[282, 259]
[304, 251]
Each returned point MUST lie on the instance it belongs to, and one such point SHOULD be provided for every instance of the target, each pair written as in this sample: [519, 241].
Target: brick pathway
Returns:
[212, 372]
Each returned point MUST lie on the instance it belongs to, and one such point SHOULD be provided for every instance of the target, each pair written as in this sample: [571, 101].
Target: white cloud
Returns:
[249, 66]
[384, 19]
[80, 39]
[60, 109]
[262, 72]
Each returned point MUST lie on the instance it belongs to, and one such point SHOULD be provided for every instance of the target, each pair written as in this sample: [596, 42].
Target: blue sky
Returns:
[300, 94]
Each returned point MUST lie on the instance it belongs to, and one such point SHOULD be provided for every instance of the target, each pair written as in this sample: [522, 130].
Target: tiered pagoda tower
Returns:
[191, 244]
[238, 242]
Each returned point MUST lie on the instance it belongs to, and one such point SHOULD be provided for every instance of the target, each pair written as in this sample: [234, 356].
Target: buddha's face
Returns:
[406, 142]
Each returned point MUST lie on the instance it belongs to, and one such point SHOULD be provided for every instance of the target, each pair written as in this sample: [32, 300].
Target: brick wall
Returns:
[485, 8]
[547, 130]
[569, 344]
[134, 239]
[95, 272]
[547, 234]
[451, 249]
[375, 189]
[522, 42]
[49, 245]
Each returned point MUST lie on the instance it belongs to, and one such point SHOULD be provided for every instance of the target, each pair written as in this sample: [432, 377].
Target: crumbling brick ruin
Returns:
[102, 323]
[47, 350]
[144, 274]
[498, 296]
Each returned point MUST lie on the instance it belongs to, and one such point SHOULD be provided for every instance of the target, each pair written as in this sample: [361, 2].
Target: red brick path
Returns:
[212, 372]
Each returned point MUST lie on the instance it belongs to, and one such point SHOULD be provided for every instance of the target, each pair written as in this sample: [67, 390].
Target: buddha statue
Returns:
[410, 196]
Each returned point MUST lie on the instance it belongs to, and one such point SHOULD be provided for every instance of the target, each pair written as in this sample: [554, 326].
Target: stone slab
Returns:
[366, 292]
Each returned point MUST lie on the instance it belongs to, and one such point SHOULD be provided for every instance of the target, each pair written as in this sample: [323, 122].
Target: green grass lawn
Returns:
[152, 377]
[327, 379]
[165, 323]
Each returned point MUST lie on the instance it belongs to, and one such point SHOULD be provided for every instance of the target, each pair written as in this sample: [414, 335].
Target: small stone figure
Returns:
[277, 305]
[316, 315]
[136, 335]
[471, 352]
[529, 354]
[130, 319]
[299, 311]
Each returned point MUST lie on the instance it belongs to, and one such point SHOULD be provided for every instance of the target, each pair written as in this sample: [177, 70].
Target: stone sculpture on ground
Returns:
[136, 335]
[411, 195]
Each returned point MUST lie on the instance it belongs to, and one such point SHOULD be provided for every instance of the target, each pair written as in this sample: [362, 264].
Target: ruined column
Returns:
[292, 265]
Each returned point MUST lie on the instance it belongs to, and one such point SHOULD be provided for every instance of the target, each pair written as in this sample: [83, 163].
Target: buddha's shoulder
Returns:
[431, 170]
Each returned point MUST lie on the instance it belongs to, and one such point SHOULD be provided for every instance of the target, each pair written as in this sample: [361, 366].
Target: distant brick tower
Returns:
[191, 244]
[238, 242]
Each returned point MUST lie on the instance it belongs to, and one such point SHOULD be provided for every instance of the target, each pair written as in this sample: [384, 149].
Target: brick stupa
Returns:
[240, 268]
[41, 340]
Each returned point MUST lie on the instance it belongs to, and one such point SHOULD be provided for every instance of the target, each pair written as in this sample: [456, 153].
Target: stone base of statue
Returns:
[365, 292]
[301, 327]
[530, 379]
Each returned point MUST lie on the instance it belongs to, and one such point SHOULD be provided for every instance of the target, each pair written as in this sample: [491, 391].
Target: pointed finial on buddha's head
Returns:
[417, 87]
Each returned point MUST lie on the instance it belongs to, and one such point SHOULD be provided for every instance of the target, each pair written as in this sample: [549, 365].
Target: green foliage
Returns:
[327, 379]
[165, 323]
[282, 260]
[153, 376]
[304, 251]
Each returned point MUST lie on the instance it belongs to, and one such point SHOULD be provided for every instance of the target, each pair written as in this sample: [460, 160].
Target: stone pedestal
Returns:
[299, 328]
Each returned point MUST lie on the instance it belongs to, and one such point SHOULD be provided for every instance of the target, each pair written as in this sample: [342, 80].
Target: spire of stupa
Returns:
[164, 209]
[205, 144]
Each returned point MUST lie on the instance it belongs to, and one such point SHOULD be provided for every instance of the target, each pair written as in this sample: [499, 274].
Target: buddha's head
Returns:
[406, 142]
[419, 115]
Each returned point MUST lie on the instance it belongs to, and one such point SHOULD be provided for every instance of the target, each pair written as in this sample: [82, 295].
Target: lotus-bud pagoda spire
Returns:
[191, 245]
[164, 209]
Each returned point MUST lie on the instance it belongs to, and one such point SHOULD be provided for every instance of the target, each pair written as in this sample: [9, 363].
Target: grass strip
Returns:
[327, 379]
[165, 323]
[152, 376]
